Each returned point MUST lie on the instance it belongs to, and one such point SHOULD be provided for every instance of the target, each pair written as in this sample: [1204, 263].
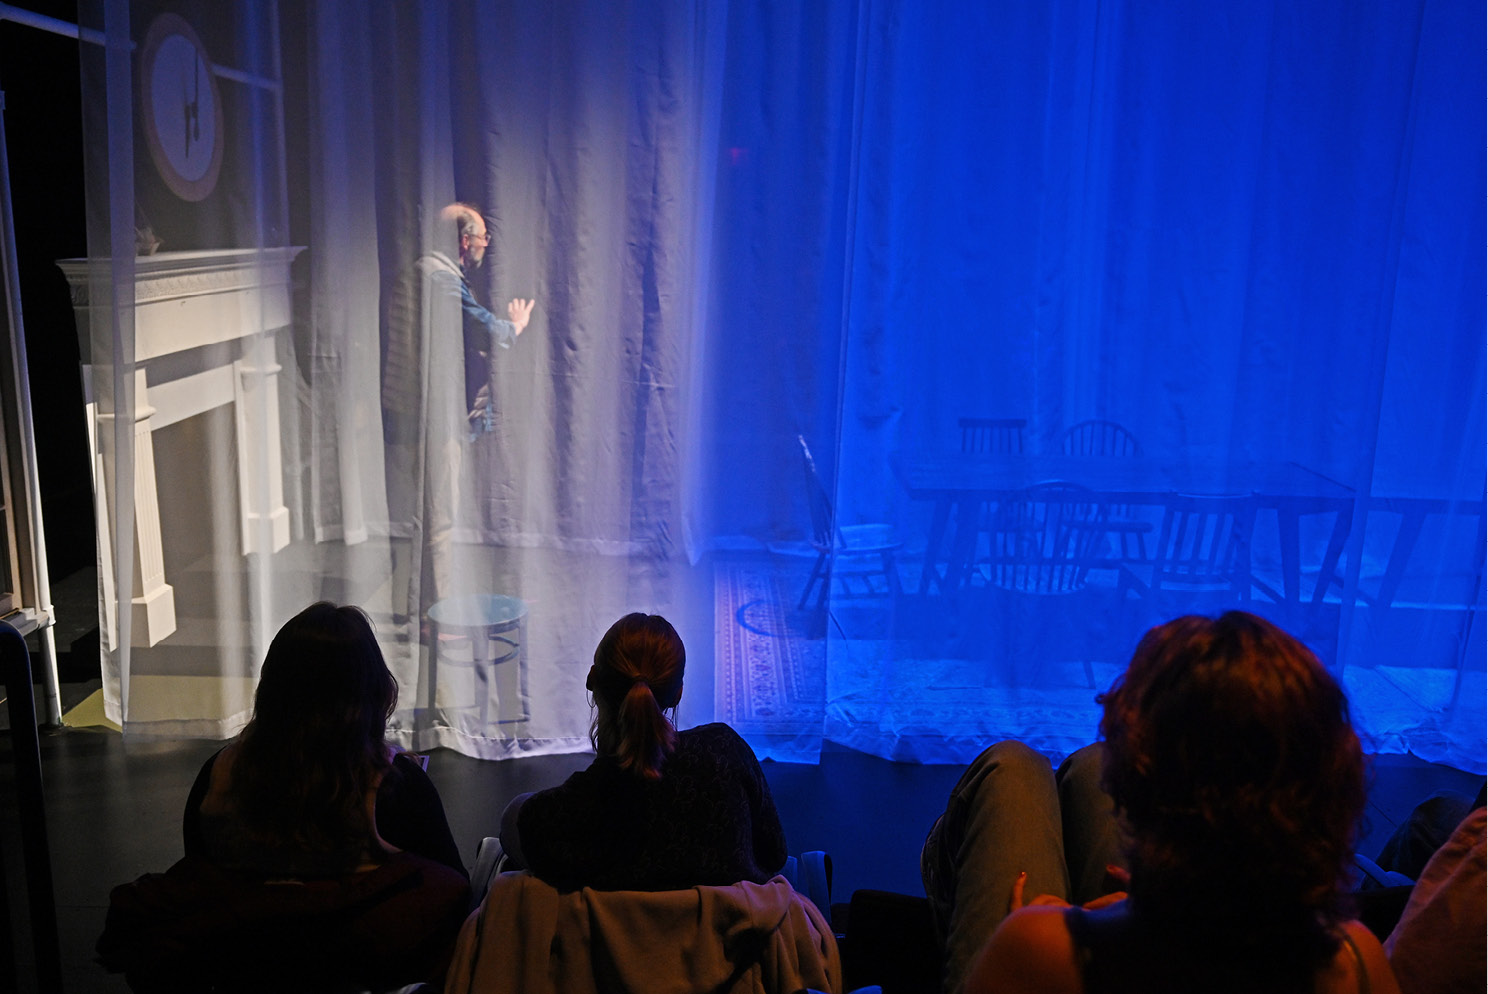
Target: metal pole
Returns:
[30, 482]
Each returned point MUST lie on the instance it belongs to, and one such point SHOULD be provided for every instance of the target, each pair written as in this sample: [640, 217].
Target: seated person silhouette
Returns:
[316, 855]
[656, 868]
[1220, 807]
[658, 809]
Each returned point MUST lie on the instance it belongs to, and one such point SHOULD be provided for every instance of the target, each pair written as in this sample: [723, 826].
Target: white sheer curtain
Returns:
[277, 468]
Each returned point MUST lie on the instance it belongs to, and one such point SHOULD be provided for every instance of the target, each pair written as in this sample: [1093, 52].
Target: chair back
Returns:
[734, 939]
[1205, 544]
[992, 435]
[822, 523]
[1045, 540]
[1099, 438]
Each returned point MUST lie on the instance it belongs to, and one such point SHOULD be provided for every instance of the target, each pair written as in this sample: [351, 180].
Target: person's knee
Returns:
[1011, 755]
[1082, 768]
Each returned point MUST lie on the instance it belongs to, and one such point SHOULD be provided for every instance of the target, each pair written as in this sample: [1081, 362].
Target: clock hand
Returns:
[196, 71]
[185, 119]
[191, 119]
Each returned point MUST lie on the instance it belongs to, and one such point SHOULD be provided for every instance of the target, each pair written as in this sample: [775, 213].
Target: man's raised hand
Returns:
[519, 312]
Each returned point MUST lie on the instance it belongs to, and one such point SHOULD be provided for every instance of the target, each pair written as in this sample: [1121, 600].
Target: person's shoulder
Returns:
[595, 782]
[430, 261]
[716, 739]
[1030, 951]
[715, 732]
[218, 768]
[1344, 972]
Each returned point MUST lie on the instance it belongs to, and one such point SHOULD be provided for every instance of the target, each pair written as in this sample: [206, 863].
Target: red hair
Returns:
[1231, 760]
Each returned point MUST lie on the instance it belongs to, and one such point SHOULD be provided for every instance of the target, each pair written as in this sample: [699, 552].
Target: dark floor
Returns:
[113, 812]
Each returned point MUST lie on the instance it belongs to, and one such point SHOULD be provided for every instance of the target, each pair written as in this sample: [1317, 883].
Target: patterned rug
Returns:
[772, 681]
[890, 698]
[923, 696]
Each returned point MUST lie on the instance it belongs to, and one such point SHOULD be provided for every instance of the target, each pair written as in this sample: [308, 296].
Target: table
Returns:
[494, 625]
[958, 483]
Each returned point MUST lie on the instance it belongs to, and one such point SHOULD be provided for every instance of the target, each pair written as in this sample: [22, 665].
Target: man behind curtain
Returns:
[422, 357]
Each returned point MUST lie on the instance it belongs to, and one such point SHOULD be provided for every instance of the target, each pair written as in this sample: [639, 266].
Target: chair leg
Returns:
[891, 572]
[816, 572]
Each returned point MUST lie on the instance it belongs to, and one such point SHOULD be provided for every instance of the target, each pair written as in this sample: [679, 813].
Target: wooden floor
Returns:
[114, 808]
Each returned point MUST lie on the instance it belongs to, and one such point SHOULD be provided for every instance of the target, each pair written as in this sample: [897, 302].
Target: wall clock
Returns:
[182, 108]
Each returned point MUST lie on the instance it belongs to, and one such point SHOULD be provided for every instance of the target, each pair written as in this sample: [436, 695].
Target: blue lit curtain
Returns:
[1250, 234]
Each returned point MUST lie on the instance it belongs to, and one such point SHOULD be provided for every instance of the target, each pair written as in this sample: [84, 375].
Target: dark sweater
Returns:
[709, 820]
[409, 816]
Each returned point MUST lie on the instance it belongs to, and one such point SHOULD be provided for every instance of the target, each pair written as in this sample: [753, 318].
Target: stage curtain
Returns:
[342, 446]
[1251, 234]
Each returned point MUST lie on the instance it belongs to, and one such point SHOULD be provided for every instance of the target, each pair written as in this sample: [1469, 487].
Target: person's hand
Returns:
[519, 312]
[1117, 878]
[1016, 901]
[1117, 882]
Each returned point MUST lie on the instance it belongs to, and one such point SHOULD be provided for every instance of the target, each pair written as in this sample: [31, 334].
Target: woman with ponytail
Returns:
[658, 809]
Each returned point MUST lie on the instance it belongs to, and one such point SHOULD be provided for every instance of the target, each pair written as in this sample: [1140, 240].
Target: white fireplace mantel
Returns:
[184, 301]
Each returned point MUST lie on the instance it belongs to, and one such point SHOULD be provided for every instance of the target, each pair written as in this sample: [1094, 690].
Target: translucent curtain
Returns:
[778, 253]
[1240, 233]
[185, 306]
[339, 432]
[1223, 228]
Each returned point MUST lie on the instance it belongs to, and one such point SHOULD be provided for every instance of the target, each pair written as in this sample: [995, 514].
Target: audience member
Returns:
[315, 853]
[658, 809]
[1425, 830]
[1437, 947]
[1237, 784]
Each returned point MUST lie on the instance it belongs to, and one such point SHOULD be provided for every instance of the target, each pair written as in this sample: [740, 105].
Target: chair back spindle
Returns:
[992, 435]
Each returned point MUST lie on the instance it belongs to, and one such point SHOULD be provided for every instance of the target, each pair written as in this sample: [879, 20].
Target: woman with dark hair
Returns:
[311, 786]
[316, 854]
[1237, 784]
[658, 809]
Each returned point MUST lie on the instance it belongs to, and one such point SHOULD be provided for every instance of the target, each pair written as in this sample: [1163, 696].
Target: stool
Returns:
[495, 628]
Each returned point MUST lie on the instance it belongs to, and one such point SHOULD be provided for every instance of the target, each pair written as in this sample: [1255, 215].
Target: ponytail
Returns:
[647, 738]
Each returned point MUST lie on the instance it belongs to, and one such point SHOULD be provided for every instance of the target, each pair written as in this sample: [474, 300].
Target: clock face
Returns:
[181, 107]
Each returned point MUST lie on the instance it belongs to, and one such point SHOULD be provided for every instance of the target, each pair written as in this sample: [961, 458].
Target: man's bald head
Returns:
[465, 225]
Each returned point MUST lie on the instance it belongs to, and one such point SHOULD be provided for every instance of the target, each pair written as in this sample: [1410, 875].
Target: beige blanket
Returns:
[527, 938]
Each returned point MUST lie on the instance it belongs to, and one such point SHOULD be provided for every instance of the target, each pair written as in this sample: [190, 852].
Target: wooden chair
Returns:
[1203, 551]
[1099, 438]
[1044, 541]
[1109, 439]
[845, 552]
[980, 435]
[1043, 544]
